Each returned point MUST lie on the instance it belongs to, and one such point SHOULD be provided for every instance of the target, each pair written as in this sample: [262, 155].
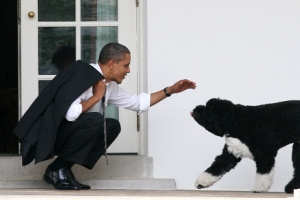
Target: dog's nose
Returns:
[191, 113]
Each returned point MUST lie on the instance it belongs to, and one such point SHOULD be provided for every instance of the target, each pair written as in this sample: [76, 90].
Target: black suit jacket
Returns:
[37, 128]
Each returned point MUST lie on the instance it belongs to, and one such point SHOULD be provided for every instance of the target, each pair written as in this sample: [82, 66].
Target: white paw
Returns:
[263, 182]
[206, 180]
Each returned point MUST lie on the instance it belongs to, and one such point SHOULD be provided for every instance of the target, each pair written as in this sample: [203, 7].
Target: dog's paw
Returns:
[206, 180]
[293, 184]
[261, 188]
[263, 182]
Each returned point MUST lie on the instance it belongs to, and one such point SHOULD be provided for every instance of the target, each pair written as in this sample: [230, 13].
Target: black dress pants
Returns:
[82, 141]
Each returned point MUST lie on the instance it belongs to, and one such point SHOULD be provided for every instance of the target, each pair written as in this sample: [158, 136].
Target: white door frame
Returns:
[143, 71]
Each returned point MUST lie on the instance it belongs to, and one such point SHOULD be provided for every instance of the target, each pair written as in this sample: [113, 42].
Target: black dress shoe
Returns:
[60, 179]
[82, 186]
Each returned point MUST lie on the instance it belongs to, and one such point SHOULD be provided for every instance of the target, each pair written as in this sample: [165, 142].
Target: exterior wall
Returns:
[244, 51]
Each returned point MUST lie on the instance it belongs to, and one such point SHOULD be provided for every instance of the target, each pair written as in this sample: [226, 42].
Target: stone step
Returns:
[120, 184]
[122, 172]
[120, 166]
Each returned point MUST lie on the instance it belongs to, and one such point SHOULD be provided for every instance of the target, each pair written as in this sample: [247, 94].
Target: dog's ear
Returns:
[219, 106]
[219, 112]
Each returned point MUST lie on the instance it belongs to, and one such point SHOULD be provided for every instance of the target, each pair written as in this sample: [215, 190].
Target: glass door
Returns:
[57, 32]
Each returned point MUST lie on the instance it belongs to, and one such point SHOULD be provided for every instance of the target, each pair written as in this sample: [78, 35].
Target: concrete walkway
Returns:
[50, 194]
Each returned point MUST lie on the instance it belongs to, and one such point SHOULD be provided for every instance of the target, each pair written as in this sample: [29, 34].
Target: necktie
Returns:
[104, 127]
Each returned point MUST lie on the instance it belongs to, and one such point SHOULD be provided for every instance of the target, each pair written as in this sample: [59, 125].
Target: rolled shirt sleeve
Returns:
[144, 102]
[75, 108]
[73, 112]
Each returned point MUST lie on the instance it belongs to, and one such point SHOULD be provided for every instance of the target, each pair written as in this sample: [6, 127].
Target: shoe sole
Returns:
[49, 181]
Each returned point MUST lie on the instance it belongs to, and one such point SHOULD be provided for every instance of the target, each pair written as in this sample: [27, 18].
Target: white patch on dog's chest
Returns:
[237, 148]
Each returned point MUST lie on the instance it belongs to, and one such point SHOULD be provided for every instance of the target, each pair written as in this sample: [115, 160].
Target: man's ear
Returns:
[110, 64]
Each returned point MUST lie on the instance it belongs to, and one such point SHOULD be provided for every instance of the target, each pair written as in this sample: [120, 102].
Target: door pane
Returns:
[42, 85]
[99, 10]
[56, 10]
[92, 41]
[94, 38]
[49, 41]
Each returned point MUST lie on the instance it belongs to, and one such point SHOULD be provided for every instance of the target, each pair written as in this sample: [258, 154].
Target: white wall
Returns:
[244, 51]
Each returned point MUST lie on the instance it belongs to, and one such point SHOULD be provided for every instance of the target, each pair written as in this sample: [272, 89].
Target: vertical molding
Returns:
[78, 29]
[143, 71]
[19, 62]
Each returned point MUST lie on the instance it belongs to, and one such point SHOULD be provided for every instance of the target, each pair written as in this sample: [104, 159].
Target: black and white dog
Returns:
[255, 132]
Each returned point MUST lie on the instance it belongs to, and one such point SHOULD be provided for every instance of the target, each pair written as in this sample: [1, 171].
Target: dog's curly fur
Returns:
[255, 132]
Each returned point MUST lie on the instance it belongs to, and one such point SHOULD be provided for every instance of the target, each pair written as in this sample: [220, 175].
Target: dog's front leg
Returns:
[264, 174]
[222, 164]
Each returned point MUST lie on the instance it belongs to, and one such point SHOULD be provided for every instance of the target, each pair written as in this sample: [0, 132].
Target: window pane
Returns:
[42, 85]
[99, 10]
[94, 38]
[56, 10]
[50, 39]
[112, 111]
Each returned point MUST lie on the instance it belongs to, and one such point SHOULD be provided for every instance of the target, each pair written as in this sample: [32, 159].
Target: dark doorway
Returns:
[8, 76]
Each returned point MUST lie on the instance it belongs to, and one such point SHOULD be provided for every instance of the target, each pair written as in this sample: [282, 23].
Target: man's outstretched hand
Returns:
[181, 85]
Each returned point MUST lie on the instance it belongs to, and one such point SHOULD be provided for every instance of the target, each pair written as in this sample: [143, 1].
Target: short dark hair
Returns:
[113, 51]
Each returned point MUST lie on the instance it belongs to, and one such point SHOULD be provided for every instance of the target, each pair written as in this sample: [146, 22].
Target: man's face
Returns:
[121, 69]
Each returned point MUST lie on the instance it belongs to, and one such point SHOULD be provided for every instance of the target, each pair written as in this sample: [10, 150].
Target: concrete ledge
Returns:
[120, 166]
[123, 172]
[126, 184]
[141, 184]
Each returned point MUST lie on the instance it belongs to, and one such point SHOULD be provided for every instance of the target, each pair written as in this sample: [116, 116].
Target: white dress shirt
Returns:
[115, 95]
